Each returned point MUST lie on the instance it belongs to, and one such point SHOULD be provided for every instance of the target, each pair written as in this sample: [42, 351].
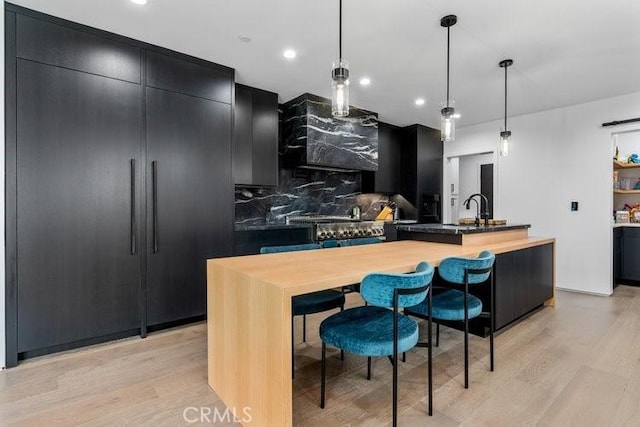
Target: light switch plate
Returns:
[574, 206]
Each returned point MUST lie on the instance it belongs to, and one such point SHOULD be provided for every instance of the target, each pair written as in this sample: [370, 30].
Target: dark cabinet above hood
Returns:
[312, 138]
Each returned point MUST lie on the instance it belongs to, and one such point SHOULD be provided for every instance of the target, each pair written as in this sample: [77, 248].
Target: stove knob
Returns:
[350, 233]
[332, 234]
[321, 235]
[340, 234]
[360, 232]
[369, 232]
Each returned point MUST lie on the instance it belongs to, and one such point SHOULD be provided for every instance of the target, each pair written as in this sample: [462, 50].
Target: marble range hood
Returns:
[312, 138]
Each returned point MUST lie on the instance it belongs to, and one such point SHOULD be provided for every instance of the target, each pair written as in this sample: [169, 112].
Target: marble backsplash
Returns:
[299, 192]
[311, 192]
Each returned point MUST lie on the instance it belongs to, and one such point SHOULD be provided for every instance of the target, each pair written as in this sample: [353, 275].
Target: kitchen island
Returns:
[462, 234]
[249, 310]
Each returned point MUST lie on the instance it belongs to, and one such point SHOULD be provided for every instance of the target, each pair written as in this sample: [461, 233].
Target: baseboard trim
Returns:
[578, 291]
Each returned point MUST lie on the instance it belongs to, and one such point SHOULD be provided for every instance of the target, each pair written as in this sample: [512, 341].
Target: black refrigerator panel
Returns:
[79, 187]
[189, 200]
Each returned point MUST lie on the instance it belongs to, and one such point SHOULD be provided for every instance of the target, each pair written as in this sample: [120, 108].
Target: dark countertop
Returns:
[254, 227]
[458, 229]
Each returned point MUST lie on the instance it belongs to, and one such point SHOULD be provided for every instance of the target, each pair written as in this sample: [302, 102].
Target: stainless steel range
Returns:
[339, 227]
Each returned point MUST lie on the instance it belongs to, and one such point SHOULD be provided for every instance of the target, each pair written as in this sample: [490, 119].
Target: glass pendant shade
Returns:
[505, 134]
[340, 89]
[448, 123]
[505, 139]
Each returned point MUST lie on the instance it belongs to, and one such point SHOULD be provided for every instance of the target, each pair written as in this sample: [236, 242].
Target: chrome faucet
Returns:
[485, 214]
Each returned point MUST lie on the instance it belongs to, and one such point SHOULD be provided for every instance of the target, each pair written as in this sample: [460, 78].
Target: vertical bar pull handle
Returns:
[154, 179]
[134, 225]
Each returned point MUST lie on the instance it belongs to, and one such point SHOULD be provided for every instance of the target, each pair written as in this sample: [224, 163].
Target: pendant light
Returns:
[505, 134]
[340, 80]
[447, 122]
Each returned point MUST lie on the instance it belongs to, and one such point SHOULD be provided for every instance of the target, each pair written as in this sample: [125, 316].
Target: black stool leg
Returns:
[304, 328]
[369, 367]
[395, 382]
[491, 324]
[429, 356]
[466, 331]
[323, 374]
[293, 369]
[437, 334]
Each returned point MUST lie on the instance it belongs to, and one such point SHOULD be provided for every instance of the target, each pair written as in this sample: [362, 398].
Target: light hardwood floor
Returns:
[575, 364]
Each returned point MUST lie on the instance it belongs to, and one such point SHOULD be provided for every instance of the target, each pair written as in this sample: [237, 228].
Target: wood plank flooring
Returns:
[575, 364]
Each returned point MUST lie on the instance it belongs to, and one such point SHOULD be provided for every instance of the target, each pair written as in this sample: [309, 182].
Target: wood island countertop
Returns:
[308, 271]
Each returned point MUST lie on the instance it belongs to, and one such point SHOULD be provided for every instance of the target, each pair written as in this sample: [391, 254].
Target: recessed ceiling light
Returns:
[245, 38]
[289, 54]
[420, 102]
[365, 81]
[139, 1]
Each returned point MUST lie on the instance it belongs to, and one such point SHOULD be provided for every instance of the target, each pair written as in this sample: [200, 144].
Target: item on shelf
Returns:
[622, 217]
[634, 158]
[616, 180]
[626, 183]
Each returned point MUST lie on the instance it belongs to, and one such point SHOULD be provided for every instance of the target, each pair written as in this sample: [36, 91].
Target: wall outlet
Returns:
[574, 206]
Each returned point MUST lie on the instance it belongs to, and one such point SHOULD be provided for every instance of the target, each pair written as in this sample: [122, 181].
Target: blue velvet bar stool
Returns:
[315, 302]
[357, 242]
[360, 241]
[331, 243]
[374, 330]
[459, 305]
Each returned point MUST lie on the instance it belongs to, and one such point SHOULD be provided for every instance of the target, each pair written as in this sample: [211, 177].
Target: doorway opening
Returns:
[466, 175]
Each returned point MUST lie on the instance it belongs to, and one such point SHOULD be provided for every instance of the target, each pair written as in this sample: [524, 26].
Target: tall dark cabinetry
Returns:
[118, 183]
[421, 161]
[190, 214]
[388, 178]
[77, 135]
[255, 147]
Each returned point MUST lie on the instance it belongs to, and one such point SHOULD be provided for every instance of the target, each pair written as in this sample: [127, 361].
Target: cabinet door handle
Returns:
[154, 179]
[134, 225]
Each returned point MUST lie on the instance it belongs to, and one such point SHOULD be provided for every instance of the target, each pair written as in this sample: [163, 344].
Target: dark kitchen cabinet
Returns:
[61, 46]
[191, 214]
[421, 165]
[79, 263]
[255, 153]
[118, 183]
[387, 179]
[630, 250]
[523, 280]
[617, 254]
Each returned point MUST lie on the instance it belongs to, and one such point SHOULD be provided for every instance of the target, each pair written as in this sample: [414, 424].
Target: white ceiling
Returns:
[565, 51]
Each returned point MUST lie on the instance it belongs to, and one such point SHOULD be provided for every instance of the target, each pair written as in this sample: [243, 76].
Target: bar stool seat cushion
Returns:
[316, 302]
[449, 305]
[367, 331]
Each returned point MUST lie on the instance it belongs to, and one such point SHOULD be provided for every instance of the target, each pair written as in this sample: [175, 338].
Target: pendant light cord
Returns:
[448, 45]
[505, 98]
[340, 34]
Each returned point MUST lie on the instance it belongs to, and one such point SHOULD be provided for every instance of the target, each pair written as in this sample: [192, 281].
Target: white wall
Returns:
[556, 157]
[2, 271]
